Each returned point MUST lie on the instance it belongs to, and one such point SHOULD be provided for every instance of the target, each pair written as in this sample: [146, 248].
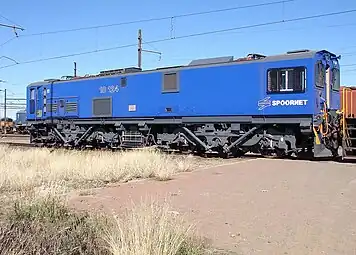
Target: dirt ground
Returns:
[256, 206]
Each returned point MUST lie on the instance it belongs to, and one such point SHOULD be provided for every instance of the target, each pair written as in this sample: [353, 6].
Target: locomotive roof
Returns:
[299, 54]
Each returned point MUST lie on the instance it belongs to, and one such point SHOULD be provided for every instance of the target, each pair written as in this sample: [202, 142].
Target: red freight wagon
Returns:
[348, 101]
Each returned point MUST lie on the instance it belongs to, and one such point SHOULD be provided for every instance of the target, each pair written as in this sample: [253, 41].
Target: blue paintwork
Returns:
[215, 90]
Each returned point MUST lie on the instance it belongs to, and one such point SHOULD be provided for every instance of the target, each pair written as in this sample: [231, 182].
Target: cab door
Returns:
[35, 103]
[31, 107]
[322, 85]
[39, 103]
[335, 88]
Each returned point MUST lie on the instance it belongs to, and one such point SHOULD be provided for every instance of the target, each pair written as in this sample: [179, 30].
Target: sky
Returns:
[333, 33]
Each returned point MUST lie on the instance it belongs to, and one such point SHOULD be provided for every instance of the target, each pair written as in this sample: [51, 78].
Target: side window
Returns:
[44, 101]
[170, 82]
[123, 82]
[282, 80]
[320, 74]
[335, 79]
[32, 101]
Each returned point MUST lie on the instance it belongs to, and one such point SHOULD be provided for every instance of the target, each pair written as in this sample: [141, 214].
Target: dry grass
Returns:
[152, 229]
[34, 220]
[25, 169]
[45, 225]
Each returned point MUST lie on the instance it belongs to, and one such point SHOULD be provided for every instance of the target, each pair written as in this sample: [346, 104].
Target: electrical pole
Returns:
[140, 50]
[75, 69]
[13, 27]
[5, 110]
[5, 99]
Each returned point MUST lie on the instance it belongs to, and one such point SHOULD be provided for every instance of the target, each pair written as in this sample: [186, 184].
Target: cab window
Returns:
[32, 101]
[286, 80]
[335, 79]
[320, 73]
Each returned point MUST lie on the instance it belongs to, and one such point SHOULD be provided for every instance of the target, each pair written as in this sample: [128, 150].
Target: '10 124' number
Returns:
[110, 89]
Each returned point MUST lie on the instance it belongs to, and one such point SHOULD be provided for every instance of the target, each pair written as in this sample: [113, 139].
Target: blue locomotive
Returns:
[273, 105]
[20, 122]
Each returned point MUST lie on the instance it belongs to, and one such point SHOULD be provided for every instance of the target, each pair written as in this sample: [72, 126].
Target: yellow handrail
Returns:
[344, 111]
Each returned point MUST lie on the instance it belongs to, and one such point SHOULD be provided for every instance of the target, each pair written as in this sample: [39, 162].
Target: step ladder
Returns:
[348, 124]
[132, 139]
[350, 136]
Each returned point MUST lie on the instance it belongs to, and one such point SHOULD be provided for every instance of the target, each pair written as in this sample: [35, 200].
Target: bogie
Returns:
[221, 139]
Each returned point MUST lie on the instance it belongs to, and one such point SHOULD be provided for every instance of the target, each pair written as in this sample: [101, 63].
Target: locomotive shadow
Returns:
[345, 160]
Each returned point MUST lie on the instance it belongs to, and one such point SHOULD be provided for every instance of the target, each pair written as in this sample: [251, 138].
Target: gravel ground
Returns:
[256, 206]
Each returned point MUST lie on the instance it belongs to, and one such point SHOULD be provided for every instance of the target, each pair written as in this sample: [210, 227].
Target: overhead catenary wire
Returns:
[187, 36]
[349, 65]
[9, 59]
[11, 26]
[9, 20]
[9, 40]
[160, 18]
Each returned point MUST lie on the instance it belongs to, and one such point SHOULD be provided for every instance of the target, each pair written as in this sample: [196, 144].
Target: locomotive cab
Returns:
[327, 75]
[326, 118]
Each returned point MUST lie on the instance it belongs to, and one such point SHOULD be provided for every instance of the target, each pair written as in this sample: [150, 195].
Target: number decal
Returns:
[102, 90]
[111, 89]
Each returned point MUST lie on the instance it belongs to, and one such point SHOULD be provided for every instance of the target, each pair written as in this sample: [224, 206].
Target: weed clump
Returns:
[28, 169]
[151, 228]
[48, 226]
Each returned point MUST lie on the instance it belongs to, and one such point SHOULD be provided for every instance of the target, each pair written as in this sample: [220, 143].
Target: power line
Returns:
[13, 60]
[349, 65]
[71, 55]
[187, 36]
[349, 53]
[6, 42]
[161, 18]
[307, 28]
[2, 16]
[11, 26]
[349, 71]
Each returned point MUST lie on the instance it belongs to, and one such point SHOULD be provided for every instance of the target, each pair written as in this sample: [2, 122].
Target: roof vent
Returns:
[51, 80]
[207, 61]
[120, 71]
[250, 57]
[168, 67]
[67, 77]
[298, 51]
[255, 56]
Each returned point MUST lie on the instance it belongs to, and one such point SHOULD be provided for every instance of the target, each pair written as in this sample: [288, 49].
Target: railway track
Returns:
[348, 159]
[19, 144]
[14, 136]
